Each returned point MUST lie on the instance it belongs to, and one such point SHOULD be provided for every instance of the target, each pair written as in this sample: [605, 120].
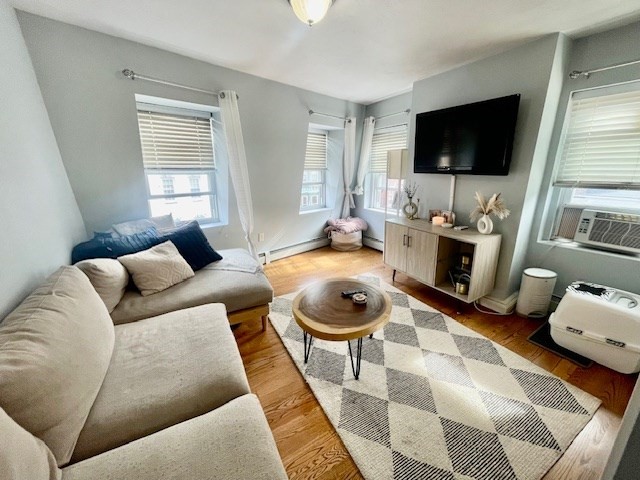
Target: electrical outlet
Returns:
[261, 237]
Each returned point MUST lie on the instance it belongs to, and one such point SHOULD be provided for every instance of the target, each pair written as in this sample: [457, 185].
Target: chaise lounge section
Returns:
[160, 397]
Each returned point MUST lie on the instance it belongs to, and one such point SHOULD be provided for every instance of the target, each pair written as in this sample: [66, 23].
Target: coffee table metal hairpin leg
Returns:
[307, 348]
[356, 369]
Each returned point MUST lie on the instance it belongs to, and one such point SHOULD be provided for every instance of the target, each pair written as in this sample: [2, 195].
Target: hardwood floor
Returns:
[309, 445]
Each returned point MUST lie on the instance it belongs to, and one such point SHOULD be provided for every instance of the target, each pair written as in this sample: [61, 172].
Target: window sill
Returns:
[305, 212]
[205, 226]
[575, 246]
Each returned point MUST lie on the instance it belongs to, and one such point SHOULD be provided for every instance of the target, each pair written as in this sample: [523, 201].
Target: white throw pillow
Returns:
[55, 349]
[162, 223]
[108, 276]
[157, 268]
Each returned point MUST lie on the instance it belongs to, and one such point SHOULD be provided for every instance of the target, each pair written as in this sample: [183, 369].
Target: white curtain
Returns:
[238, 170]
[349, 165]
[365, 154]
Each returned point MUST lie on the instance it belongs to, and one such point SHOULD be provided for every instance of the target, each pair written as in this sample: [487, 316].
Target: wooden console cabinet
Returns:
[428, 253]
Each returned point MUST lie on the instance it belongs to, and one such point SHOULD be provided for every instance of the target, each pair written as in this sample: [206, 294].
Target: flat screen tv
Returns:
[473, 139]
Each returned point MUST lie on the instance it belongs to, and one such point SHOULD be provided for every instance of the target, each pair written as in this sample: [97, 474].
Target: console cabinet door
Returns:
[395, 249]
[422, 252]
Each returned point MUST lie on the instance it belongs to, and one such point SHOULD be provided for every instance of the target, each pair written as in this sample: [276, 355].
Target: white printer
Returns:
[600, 323]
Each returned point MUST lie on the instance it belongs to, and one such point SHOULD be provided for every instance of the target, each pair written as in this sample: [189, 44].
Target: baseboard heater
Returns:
[294, 249]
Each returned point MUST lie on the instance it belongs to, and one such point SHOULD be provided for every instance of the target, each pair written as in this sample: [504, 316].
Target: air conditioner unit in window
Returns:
[610, 231]
[567, 222]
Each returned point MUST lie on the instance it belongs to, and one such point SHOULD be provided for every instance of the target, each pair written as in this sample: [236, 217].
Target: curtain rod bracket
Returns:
[577, 74]
[130, 74]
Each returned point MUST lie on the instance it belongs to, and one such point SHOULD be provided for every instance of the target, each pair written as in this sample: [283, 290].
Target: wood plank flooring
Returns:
[309, 445]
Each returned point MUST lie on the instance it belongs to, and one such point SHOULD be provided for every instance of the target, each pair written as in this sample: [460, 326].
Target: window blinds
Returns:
[315, 157]
[172, 141]
[600, 147]
[385, 139]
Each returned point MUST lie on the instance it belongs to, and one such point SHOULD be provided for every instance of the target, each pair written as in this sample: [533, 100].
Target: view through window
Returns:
[313, 193]
[179, 162]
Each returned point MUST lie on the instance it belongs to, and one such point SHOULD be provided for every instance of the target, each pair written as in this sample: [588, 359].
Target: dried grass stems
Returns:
[410, 189]
[495, 205]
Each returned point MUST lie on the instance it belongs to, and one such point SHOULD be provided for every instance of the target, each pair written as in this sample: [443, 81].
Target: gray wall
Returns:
[532, 71]
[38, 212]
[615, 46]
[92, 110]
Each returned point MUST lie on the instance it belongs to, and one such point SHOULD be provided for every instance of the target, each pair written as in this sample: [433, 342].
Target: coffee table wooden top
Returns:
[321, 311]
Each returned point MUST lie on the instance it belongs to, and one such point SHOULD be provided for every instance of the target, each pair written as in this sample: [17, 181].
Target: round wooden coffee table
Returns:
[322, 312]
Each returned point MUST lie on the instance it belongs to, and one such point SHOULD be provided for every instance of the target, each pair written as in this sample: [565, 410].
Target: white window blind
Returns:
[600, 146]
[172, 141]
[385, 139]
[315, 157]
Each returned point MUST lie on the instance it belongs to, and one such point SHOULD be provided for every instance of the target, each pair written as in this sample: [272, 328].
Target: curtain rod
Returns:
[408, 110]
[586, 73]
[130, 74]
[313, 112]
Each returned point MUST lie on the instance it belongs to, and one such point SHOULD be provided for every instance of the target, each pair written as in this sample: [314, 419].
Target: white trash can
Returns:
[535, 293]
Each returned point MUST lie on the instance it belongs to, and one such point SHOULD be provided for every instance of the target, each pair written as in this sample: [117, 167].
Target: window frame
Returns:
[173, 107]
[322, 171]
[370, 178]
[560, 196]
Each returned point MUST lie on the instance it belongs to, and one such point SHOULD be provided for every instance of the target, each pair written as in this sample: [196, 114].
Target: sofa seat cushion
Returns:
[232, 442]
[237, 281]
[23, 456]
[55, 348]
[164, 370]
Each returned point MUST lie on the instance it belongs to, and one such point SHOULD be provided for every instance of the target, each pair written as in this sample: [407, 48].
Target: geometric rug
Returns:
[436, 400]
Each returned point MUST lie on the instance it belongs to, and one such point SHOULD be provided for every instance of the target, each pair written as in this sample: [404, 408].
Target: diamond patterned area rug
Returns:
[436, 400]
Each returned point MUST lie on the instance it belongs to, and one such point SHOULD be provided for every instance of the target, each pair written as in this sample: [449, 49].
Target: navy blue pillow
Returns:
[101, 246]
[193, 245]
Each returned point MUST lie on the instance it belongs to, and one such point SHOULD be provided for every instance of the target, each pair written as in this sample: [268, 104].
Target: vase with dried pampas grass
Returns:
[494, 206]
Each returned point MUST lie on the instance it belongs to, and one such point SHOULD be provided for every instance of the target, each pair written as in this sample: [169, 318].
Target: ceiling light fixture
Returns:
[310, 11]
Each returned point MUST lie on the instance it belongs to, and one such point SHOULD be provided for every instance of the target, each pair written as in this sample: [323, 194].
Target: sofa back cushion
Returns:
[23, 456]
[193, 245]
[55, 348]
[105, 246]
[108, 277]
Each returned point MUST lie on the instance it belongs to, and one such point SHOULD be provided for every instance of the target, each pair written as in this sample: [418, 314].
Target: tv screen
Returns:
[474, 139]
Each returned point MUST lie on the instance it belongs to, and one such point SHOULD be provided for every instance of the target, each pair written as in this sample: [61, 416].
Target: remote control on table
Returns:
[460, 227]
[351, 293]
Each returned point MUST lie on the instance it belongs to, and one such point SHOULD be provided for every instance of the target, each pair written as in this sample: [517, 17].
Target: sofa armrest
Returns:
[231, 442]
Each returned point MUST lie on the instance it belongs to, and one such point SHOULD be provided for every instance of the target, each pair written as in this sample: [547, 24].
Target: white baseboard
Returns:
[500, 305]
[289, 251]
[373, 243]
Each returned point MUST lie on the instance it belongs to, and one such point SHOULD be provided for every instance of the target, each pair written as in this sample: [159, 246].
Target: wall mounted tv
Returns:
[473, 139]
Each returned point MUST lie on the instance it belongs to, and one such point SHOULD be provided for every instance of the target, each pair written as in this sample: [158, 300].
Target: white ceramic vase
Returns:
[485, 225]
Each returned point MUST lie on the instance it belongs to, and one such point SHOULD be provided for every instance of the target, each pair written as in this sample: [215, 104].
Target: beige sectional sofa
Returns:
[162, 397]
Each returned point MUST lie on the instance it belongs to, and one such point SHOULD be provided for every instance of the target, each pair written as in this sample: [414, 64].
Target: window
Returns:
[384, 139]
[598, 159]
[179, 162]
[313, 194]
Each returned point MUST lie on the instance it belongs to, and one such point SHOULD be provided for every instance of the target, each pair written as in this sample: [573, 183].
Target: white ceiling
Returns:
[363, 51]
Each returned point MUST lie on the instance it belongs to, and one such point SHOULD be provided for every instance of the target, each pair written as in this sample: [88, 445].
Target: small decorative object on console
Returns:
[495, 205]
[410, 209]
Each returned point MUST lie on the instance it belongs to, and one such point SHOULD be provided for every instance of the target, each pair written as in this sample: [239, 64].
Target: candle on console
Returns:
[438, 221]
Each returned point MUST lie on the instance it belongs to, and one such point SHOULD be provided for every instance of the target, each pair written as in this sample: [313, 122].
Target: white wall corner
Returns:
[500, 305]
